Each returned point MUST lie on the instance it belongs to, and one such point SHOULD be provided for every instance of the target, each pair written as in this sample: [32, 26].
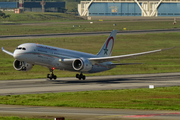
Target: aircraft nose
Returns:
[16, 55]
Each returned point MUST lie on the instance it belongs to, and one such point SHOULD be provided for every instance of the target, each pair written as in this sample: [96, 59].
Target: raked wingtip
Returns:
[168, 48]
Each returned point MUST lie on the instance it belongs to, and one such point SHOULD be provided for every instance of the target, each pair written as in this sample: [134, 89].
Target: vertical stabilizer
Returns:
[107, 48]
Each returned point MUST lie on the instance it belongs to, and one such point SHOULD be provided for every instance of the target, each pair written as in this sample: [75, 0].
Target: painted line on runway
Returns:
[151, 115]
[110, 116]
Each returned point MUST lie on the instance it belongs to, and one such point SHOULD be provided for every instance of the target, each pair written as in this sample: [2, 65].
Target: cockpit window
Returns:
[21, 48]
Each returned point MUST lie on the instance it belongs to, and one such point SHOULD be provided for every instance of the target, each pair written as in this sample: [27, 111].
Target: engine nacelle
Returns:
[22, 66]
[82, 65]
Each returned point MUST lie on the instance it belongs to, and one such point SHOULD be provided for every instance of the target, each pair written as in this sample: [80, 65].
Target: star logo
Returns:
[105, 51]
[107, 47]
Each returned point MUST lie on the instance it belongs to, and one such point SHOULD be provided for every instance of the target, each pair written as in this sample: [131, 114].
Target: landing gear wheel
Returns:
[48, 75]
[80, 76]
[51, 76]
[84, 77]
[55, 77]
[77, 75]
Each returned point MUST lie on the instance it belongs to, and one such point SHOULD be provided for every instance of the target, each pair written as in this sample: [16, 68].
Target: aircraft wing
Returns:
[7, 51]
[117, 58]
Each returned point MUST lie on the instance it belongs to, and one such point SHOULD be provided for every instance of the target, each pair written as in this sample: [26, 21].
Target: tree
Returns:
[75, 11]
[62, 10]
[3, 15]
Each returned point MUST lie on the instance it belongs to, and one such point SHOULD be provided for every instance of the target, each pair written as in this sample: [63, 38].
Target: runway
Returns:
[12, 87]
[32, 36]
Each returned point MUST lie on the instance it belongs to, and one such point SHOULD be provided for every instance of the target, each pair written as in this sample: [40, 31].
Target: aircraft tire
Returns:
[80, 76]
[77, 75]
[83, 77]
[48, 75]
[51, 76]
[55, 77]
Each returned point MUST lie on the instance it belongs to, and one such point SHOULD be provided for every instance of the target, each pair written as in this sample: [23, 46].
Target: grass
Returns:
[166, 61]
[19, 118]
[39, 17]
[67, 27]
[42, 23]
[166, 98]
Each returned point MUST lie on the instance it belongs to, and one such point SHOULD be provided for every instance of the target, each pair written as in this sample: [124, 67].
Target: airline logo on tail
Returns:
[109, 46]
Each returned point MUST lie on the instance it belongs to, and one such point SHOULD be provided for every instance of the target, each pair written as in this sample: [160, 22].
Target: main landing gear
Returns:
[80, 76]
[51, 76]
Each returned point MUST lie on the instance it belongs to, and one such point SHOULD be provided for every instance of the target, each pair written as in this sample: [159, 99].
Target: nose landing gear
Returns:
[51, 75]
[80, 76]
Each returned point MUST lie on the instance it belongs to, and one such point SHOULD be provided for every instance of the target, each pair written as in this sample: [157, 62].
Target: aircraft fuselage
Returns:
[50, 57]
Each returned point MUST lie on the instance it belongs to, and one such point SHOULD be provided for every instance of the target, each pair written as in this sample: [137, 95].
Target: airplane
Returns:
[29, 54]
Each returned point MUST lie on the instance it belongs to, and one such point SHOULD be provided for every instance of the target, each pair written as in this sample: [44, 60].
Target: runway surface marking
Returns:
[139, 116]
[150, 115]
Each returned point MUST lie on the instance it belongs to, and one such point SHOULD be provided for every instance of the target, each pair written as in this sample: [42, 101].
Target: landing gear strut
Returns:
[80, 76]
[51, 76]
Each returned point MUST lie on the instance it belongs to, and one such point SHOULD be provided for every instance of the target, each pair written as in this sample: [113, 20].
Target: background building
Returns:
[149, 8]
[48, 7]
[34, 6]
[9, 5]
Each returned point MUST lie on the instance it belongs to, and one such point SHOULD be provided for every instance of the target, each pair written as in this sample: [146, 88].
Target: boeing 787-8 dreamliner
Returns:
[29, 54]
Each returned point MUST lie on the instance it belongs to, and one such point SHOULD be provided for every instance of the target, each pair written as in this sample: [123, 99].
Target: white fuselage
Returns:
[38, 54]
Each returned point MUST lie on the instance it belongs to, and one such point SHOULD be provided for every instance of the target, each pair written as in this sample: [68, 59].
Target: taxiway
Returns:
[32, 36]
[88, 113]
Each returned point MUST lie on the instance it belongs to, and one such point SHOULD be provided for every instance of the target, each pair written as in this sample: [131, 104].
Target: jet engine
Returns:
[82, 65]
[22, 66]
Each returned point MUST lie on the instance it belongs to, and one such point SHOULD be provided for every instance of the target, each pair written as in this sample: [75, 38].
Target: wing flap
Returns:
[114, 64]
